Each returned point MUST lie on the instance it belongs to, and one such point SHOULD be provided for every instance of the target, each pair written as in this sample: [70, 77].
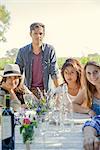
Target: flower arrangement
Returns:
[41, 107]
[29, 123]
[29, 118]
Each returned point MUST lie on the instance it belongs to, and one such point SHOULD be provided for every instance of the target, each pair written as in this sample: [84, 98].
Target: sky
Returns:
[72, 26]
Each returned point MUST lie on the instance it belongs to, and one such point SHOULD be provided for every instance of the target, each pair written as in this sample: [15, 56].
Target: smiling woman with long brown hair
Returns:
[91, 93]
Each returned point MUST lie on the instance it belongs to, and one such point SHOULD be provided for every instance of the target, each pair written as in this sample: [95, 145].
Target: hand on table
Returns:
[91, 141]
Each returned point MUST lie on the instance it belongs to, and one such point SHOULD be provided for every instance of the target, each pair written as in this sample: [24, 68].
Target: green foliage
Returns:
[12, 53]
[60, 61]
[4, 22]
[4, 61]
[11, 56]
[27, 130]
[83, 60]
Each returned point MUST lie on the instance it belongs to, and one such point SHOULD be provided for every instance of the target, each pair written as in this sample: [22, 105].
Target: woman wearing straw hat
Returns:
[9, 84]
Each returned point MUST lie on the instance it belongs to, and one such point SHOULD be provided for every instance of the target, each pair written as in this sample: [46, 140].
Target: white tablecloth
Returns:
[63, 141]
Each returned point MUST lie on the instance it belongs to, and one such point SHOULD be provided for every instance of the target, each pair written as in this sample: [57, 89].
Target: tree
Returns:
[4, 22]
[12, 53]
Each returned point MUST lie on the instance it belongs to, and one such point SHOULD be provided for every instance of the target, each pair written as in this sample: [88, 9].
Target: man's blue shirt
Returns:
[25, 58]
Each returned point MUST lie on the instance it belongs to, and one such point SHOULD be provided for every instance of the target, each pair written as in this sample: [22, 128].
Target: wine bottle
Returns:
[8, 136]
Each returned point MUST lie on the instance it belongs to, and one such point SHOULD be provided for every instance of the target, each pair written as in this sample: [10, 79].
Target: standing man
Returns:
[38, 61]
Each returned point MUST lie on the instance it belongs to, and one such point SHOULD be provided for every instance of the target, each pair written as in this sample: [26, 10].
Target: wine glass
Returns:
[42, 128]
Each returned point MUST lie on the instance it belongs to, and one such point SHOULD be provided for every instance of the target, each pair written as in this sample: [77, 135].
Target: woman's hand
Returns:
[24, 106]
[91, 142]
[6, 86]
[91, 113]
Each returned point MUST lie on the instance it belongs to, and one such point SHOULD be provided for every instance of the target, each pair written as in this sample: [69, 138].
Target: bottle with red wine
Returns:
[7, 124]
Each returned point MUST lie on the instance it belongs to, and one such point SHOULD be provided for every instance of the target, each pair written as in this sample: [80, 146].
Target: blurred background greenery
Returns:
[10, 55]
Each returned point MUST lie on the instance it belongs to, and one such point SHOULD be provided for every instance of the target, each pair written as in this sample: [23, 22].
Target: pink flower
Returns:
[26, 121]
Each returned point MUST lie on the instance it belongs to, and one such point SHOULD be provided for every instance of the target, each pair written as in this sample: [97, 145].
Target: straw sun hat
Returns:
[11, 70]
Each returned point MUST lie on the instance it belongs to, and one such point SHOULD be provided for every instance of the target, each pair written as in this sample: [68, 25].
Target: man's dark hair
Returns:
[36, 25]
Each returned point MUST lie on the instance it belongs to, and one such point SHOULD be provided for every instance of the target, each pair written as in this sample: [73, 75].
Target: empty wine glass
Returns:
[42, 128]
[68, 110]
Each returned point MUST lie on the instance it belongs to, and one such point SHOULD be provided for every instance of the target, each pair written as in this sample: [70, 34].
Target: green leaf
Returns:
[21, 129]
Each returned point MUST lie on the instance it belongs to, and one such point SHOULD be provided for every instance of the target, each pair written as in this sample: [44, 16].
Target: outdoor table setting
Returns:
[48, 138]
[47, 126]
[71, 140]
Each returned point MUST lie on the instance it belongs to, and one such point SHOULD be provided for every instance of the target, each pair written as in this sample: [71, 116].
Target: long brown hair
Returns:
[90, 88]
[75, 64]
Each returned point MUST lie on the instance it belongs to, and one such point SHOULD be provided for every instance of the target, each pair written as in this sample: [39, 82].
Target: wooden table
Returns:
[64, 141]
